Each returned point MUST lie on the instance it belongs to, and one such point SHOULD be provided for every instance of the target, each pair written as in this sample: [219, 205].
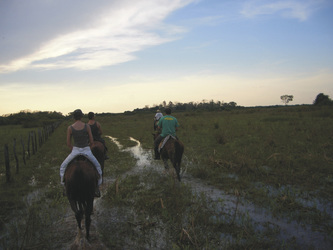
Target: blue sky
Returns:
[114, 56]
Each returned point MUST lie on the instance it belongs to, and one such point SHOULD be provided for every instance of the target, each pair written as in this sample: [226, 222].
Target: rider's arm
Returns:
[99, 128]
[91, 140]
[69, 137]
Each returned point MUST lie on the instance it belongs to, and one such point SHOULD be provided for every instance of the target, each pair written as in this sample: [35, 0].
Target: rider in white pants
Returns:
[82, 136]
[80, 151]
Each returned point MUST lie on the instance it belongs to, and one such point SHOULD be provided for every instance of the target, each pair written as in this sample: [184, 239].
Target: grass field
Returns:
[279, 159]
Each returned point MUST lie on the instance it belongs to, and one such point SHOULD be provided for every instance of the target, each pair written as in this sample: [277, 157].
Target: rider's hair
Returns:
[91, 115]
[168, 111]
[77, 114]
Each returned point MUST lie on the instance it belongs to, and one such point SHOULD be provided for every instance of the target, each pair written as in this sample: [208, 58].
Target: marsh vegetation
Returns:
[255, 178]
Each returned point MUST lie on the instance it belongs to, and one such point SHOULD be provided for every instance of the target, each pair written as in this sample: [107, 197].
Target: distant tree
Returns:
[322, 99]
[232, 104]
[287, 98]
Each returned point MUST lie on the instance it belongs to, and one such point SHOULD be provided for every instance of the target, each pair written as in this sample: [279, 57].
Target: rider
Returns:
[96, 131]
[169, 126]
[157, 117]
[82, 136]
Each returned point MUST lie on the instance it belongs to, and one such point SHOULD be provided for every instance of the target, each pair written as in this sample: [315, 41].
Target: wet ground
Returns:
[227, 207]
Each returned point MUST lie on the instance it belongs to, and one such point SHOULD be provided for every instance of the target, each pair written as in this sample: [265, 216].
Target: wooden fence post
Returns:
[32, 142]
[23, 151]
[35, 136]
[29, 145]
[8, 175]
[15, 156]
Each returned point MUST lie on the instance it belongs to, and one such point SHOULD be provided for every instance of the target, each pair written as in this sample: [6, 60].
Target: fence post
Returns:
[8, 175]
[32, 142]
[29, 145]
[35, 137]
[23, 151]
[15, 156]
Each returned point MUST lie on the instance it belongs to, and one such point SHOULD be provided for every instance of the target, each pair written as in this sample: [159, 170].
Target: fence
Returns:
[36, 139]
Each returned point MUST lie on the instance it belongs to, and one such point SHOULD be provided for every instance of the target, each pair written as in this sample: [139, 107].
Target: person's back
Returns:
[96, 131]
[80, 136]
[169, 125]
[95, 127]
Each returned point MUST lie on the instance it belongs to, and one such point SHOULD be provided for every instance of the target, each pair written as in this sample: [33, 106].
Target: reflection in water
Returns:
[143, 157]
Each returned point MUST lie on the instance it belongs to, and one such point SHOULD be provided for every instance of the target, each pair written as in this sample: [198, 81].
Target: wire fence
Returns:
[21, 150]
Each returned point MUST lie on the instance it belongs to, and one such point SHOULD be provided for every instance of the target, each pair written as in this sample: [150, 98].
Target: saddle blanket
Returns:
[165, 141]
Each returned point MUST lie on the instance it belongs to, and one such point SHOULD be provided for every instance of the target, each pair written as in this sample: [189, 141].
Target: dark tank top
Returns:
[95, 131]
[81, 138]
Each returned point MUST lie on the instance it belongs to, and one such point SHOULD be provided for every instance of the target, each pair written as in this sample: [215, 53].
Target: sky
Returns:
[119, 55]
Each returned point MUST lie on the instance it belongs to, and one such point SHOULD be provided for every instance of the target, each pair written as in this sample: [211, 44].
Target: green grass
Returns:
[279, 158]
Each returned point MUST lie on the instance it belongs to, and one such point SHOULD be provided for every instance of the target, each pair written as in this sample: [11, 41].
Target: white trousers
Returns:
[86, 151]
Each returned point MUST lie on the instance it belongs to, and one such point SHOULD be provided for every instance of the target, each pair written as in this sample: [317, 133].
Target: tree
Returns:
[287, 98]
[322, 99]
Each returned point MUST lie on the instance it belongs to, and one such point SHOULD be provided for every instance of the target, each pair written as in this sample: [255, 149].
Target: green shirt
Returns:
[168, 124]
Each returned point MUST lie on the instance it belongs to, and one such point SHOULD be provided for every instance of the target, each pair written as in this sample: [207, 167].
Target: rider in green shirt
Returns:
[169, 126]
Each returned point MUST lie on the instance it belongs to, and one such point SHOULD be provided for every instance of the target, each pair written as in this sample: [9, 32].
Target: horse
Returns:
[173, 149]
[81, 179]
[98, 150]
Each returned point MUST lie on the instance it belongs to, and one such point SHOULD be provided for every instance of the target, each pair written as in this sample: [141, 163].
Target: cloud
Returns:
[297, 9]
[112, 38]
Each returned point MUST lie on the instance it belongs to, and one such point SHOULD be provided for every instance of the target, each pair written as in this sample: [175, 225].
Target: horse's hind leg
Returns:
[78, 217]
[177, 168]
[88, 213]
[78, 213]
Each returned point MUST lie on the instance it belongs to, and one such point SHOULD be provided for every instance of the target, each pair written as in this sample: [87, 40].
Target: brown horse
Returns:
[80, 180]
[173, 149]
[98, 151]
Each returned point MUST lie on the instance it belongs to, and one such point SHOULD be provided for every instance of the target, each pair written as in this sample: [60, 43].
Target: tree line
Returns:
[190, 106]
[30, 119]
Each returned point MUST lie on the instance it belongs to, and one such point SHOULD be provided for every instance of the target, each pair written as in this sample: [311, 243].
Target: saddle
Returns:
[164, 141]
[80, 158]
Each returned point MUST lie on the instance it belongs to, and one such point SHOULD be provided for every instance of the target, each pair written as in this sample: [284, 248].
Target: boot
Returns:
[97, 192]
[157, 154]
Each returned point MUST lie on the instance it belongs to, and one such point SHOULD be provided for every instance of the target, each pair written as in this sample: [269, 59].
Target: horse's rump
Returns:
[80, 178]
[173, 150]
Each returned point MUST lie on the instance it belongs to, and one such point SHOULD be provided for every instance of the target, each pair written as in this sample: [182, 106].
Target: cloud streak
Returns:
[297, 9]
[114, 38]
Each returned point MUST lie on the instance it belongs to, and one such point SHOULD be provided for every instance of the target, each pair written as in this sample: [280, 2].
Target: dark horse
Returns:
[173, 150]
[98, 151]
[81, 178]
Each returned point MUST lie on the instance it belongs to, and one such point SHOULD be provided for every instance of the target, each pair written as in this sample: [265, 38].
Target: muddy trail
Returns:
[148, 233]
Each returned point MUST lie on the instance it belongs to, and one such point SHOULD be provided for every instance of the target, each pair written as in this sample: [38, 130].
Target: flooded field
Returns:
[129, 229]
